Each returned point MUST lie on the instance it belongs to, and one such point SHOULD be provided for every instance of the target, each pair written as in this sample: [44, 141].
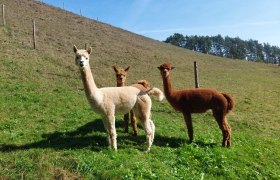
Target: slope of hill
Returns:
[49, 131]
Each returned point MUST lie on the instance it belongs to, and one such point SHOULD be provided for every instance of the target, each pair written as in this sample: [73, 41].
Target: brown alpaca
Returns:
[121, 77]
[198, 100]
[142, 85]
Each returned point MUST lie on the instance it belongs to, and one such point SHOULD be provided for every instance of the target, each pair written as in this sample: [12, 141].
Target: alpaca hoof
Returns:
[148, 150]
[228, 145]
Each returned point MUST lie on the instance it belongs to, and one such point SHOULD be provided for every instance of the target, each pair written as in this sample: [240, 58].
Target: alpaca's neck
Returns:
[167, 87]
[88, 81]
[120, 84]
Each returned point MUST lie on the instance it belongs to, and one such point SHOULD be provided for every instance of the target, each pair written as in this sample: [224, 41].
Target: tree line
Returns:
[235, 48]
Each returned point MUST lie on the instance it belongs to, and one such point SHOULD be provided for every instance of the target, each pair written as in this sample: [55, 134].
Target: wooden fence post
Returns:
[3, 15]
[196, 75]
[34, 34]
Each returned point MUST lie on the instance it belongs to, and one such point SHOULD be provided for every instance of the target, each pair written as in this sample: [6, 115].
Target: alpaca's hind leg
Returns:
[142, 110]
[126, 122]
[226, 134]
[148, 127]
[153, 130]
[134, 123]
[228, 139]
[188, 121]
[224, 126]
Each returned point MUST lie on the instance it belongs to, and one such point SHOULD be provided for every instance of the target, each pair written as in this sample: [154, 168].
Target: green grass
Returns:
[48, 131]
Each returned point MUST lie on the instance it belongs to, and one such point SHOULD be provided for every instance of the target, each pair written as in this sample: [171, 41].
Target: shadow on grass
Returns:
[174, 142]
[80, 138]
[76, 139]
[202, 144]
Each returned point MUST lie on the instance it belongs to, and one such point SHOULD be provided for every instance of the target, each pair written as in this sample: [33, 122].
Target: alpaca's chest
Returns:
[96, 103]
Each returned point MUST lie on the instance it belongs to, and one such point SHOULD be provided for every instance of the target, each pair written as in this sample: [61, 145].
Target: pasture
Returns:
[48, 130]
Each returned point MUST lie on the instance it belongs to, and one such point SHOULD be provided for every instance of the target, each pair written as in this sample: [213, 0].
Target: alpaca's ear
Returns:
[172, 67]
[127, 69]
[75, 49]
[159, 68]
[115, 69]
[89, 50]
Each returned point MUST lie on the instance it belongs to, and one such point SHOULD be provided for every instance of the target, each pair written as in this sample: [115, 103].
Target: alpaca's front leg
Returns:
[188, 121]
[126, 122]
[112, 135]
[105, 123]
[109, 125]
[134, 123]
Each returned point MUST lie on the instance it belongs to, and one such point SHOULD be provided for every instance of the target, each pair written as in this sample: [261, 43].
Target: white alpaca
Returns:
[115, 100]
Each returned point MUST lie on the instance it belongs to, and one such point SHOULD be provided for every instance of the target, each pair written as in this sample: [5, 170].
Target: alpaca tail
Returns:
[156, 92]
[230, 101]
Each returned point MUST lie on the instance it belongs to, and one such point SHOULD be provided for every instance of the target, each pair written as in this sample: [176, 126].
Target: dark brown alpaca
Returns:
[198, 100]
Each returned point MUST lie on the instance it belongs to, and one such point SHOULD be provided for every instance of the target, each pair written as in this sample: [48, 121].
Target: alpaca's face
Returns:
[165, 69]
[82, 57]
[120, 74]
[82, 60]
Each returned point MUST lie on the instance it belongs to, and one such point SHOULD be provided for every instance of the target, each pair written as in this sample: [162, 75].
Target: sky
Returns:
[158, 19]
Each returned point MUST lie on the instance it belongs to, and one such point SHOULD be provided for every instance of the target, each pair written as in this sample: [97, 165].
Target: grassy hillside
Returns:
[48, 131]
